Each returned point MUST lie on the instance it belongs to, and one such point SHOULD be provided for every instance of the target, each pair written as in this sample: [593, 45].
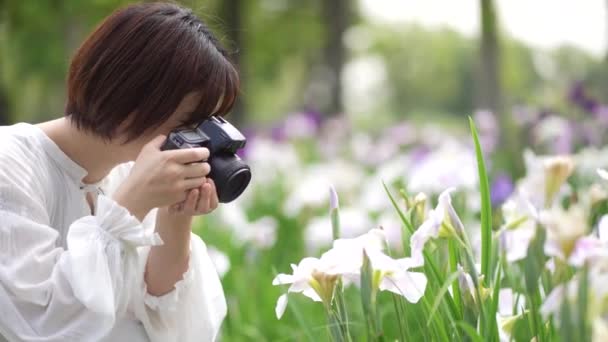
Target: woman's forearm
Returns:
[167, 263]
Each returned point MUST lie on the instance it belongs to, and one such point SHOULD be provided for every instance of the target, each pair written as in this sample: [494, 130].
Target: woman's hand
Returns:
[200, 201]
[163, 178]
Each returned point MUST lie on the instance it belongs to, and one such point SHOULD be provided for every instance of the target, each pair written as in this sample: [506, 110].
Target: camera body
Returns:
[230, 174]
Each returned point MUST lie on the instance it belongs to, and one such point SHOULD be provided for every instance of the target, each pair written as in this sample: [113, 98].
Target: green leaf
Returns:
[441, 293]
[486, 206]
[453, 258]
[494, 308]
[583, 298]
[405, 221]
[469, 330]
[368, 300]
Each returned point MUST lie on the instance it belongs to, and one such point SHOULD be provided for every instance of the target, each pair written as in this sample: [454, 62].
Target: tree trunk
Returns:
[489, 89]
[606, 31]
[4, 112]
[336, 14]
[231, 12]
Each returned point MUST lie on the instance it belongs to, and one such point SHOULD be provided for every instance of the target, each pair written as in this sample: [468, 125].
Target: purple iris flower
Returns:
[277, 132]
[250, 134]
[419, 153]
[315, 117]
[579, 97]
[502, 187]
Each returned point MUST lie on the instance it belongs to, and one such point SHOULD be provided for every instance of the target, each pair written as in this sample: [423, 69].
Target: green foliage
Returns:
[429, 71]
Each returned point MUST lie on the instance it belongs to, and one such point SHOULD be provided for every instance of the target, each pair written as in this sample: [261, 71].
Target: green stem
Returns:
[455, 287]
[402, 323]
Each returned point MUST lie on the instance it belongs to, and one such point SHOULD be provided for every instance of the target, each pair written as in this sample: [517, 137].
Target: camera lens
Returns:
[230, 174]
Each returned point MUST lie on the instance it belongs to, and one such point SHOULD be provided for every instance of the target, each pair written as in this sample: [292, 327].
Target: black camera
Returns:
[230, 174]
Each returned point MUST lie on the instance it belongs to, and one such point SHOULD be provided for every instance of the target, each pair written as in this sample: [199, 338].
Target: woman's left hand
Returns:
[200, 201]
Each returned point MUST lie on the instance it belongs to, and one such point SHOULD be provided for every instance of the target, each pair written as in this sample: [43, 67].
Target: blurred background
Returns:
[353, 93]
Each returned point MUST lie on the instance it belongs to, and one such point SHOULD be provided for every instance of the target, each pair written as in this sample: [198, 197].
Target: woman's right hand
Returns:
[162, 178]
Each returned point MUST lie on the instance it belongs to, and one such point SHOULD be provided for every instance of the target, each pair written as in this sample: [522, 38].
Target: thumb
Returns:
[158, 141]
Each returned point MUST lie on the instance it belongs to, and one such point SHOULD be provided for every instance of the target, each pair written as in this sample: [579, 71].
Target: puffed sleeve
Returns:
[48, 293]
[195, 308]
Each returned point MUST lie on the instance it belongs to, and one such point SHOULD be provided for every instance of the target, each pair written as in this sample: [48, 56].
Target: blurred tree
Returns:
[488, 95]
[4, 110]
[426, 70]
[606, 30]
[232, 13]
[39, 37]
[336, 16]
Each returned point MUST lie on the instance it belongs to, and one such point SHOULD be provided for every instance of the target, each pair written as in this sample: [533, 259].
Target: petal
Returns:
[410, 285]
[602, 173]
[283, 278]
[506, 301]
[553, 248]
[429, 229]
[281, 305]
[445, 202]
[407, 263]
[515, 242]
[553, 302]
[445, 198]
[585, 249]
[603, 228]
[310, 293]
[341, 260]
[299, 286]
[600, 330]
[465, 281]
[382, 262]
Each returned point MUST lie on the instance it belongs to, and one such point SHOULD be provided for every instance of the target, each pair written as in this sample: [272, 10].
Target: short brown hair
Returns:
[144, 59]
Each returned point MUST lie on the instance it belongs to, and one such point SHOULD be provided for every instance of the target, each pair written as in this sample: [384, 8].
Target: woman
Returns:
[94, 246]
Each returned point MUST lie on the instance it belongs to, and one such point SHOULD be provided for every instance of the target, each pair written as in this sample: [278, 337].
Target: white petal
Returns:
[465, 281]
[310, 293]
[351, 279]
[553, 301]
[283, 278]
[281, 305]
[445, 197]
[299, 285]
[603, 228]
[382, 262]
[552, 248]
[342, 260]
[602, 173]
[407, 263]
[585, 249]
[410, 285]
[506, 300]
[429, 229]
[600, 330]
[515, 242]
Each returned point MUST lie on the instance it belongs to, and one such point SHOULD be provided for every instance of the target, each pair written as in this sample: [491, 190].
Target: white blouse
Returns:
[67, 275]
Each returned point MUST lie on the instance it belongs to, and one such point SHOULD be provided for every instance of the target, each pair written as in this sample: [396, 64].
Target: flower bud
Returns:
[557, 171]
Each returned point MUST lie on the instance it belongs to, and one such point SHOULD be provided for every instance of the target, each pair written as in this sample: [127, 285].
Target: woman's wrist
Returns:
[168, 262]
[175, 230]
[125, 201]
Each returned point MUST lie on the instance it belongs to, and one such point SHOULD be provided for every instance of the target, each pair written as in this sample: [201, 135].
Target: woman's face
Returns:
[181, 114]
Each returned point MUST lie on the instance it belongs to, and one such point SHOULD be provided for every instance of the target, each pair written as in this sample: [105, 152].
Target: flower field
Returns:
[413, 234]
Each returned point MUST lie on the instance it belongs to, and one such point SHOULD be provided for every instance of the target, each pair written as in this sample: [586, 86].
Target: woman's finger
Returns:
[203, 205]
[192, 183]
[196, 170]
[190, 204]
[213, 200]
